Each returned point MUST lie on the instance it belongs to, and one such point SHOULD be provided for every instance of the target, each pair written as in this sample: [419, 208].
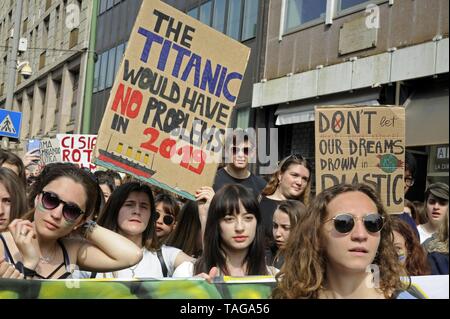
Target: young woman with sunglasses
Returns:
[344, 236]
[130, 211]
[291, 181]
[166, 214]
[40, 245]
[233, 240]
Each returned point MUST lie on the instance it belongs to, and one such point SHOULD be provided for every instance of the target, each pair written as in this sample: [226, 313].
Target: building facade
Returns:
[322, 52]
[57, 35]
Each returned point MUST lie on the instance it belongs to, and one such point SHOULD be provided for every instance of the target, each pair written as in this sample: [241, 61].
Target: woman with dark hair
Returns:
[130, 211]
[13, 202]
[14, 163]
[291, 181]
[41, 246]
[409, 250]
[342, 248]
[233, 241]
[106, 183]
[166, 215]
[285, 218]
[187, 236]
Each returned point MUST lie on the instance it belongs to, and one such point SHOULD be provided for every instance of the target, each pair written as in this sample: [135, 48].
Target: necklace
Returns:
[47, 259]
[133, 269]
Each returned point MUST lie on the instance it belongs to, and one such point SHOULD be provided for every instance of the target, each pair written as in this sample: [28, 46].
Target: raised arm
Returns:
[106, 251]
[204, 195]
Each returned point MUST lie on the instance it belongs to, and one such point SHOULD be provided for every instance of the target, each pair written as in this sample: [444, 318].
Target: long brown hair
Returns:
[16, 191]
[284, 165]
[303, 274]
[416, 263]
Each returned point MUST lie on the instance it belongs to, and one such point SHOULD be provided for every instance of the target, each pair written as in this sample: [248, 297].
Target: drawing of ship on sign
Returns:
[137, 167]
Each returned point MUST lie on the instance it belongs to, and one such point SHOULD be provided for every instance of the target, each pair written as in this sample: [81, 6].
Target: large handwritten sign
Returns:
[78, 149]
[171, 101]
[362, 144]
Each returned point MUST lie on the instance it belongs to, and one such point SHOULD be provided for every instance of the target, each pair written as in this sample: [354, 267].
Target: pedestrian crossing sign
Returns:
[10, 122]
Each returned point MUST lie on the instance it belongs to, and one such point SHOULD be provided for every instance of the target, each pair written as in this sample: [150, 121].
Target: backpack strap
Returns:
[162, 262]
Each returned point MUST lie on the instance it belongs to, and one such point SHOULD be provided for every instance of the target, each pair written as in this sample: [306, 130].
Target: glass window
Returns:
[103, 69]
[250, 19]
[111, 67]
[96, 74]
[103, 6]
[205, 12]
[119, 55]
[234, 18]
[110, 4]
[345, 4]
[116, 1]
[302, 11]
[193, 13]
[219, 15]
[243, 118]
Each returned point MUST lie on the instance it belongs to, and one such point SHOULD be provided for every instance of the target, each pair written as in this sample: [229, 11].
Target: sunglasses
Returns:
[344, 223]
[167, 219]
[70, 211]
[237, 150]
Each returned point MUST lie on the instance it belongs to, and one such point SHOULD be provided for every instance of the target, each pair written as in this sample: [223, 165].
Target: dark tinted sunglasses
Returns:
[237, 150]
[70, 211]
[167, 219]
[344, 223]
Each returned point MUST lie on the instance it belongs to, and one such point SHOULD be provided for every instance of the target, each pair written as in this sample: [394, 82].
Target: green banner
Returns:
[135, 289]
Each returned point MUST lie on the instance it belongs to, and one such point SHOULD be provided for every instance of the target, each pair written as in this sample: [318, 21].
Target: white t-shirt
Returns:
[148, 267]
[186, 269]
[424, 235]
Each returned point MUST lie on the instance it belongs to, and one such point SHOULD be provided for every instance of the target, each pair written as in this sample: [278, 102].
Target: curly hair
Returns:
[303, 274]
[416, 263]
[284, 165]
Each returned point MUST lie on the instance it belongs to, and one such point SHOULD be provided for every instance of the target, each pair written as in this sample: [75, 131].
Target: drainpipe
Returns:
[89, 86]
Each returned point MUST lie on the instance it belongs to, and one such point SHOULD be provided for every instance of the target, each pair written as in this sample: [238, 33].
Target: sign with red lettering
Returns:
[171, 101]
[364, 144]
[77, 149]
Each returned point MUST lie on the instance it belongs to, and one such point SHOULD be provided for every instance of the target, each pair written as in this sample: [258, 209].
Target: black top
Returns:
[66, 263]
[252, 183]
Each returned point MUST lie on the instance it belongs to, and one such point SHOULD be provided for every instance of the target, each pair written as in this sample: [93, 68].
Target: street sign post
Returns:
[10, 123]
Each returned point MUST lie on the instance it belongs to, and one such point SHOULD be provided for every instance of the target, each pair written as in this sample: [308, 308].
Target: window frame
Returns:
[356, 8]
[302, 26]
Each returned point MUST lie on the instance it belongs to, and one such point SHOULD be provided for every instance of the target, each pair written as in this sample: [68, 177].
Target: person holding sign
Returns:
[13, 202]
[130, 211]
[40, 247]
[233, 243]
[342, 248]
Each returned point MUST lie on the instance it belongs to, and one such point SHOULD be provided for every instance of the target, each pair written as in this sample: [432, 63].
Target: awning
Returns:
[427, 118]
[303, 111]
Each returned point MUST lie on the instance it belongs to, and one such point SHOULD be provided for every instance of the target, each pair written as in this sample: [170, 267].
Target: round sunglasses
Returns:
[344, 223]
[69, 211]
[167, 219]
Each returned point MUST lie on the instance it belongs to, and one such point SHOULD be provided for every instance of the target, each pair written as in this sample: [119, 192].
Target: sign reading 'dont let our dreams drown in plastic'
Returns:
[362, 144]
[171, 101]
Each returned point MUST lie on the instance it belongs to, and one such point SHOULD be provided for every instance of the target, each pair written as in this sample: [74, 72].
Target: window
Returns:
[119, 55]
[193, 13]
[302, 11]
[234, 18]
[250, 19]
[205, 13]
[103, 4]
[219, 15]
[103, 69]
[345, 4]
[111, 67]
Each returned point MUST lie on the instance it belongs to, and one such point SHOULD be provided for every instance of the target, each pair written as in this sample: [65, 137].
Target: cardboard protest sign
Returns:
[362, 144]
[77, 149]
[171, 101]
[50, 151]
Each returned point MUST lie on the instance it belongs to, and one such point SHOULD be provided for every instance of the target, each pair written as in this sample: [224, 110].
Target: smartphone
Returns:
[34, 146]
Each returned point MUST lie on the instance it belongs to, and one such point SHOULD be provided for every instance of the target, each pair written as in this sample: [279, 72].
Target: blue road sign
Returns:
[10, 122]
